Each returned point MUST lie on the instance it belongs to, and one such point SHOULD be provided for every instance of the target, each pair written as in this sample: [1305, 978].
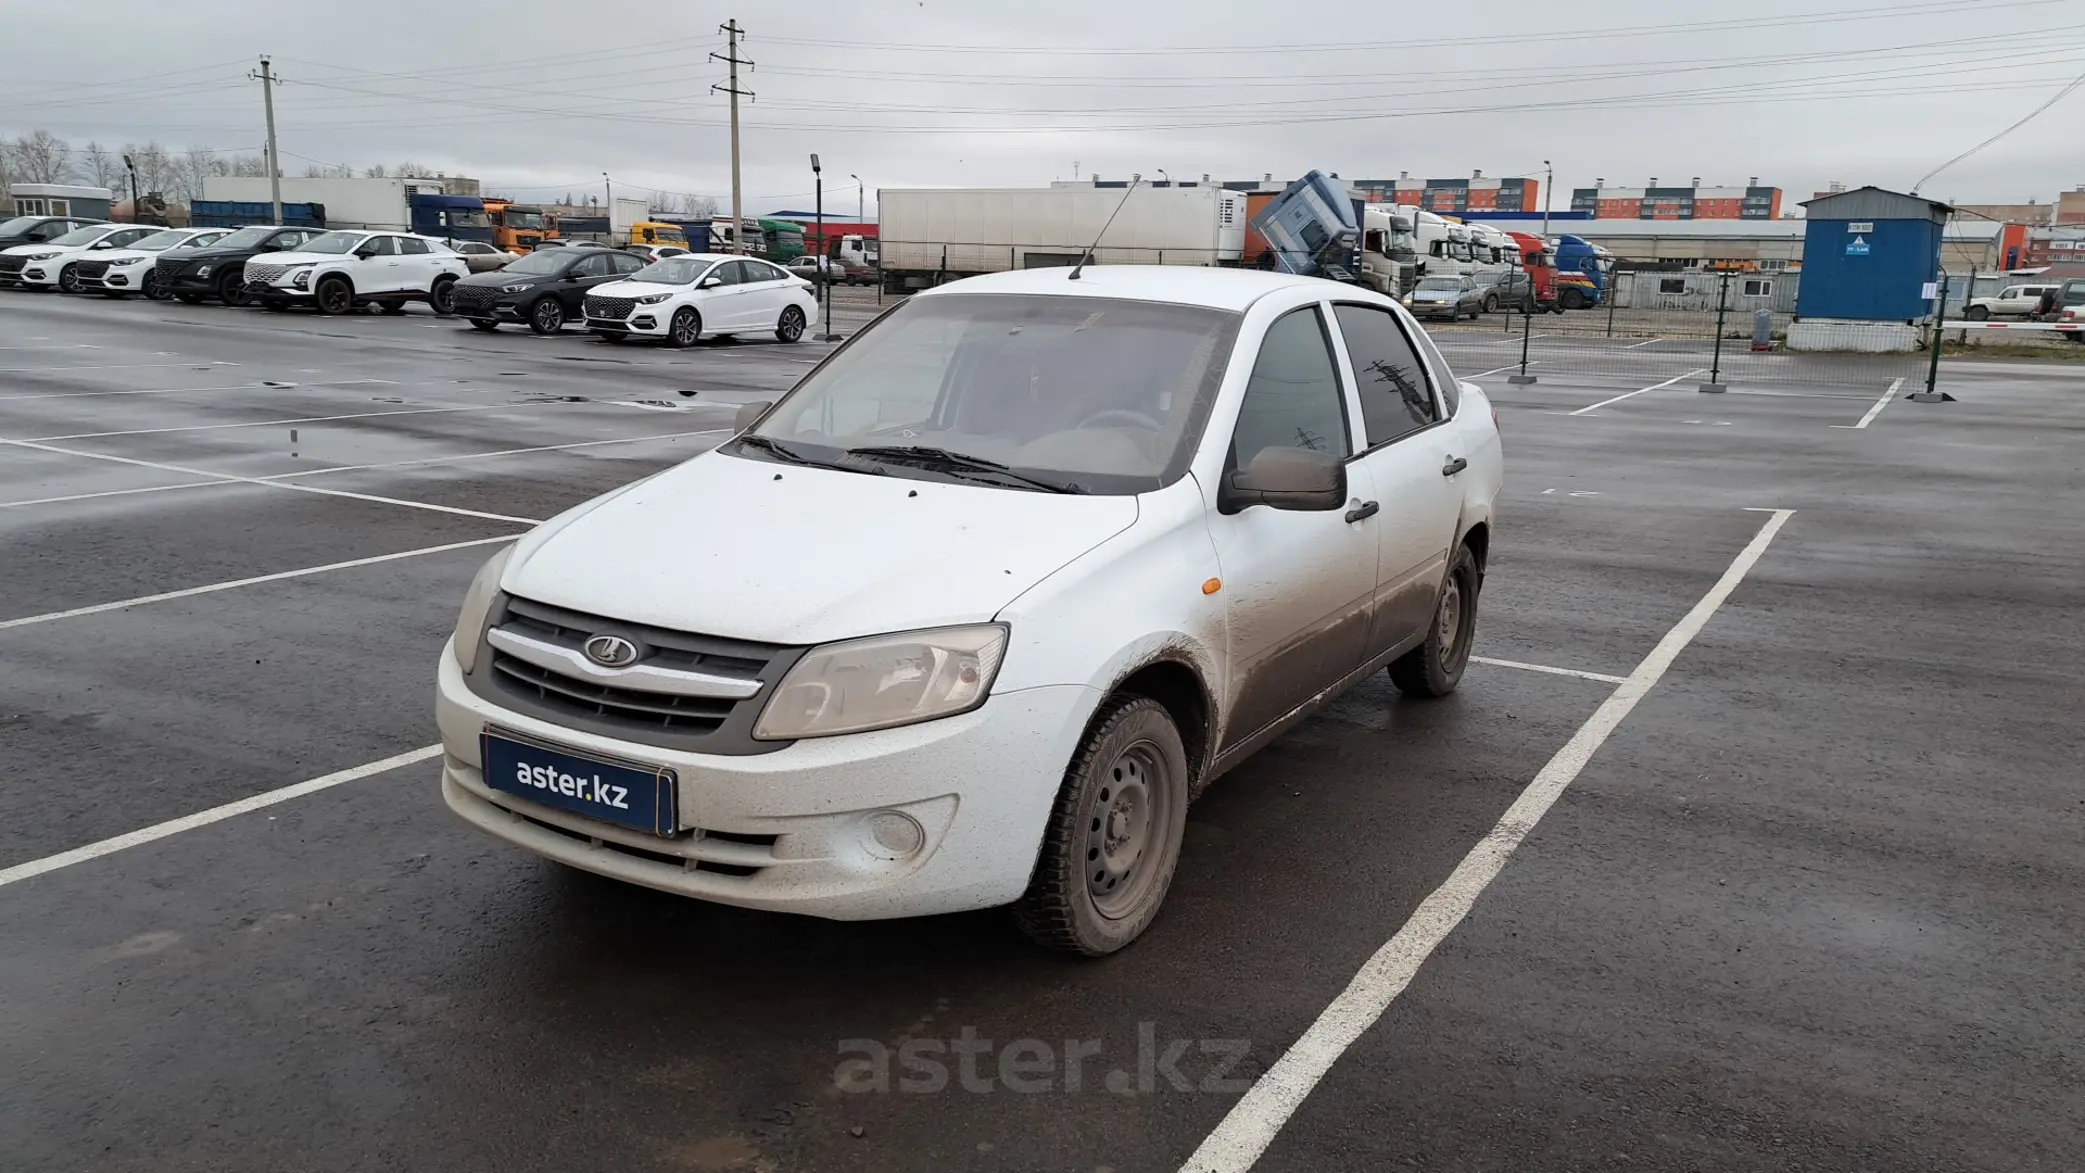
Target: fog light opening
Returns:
[893, 835]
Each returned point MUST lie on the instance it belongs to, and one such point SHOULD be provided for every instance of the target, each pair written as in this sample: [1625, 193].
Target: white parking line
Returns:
[216, 814]
[127, 366]
[234, 584]
[55, 346]
[1638, 391]
[199, 390]
[110, 493]
[307, 419]
[1637, 345]
[1876, 410]
[1257, 1118]
[1603, 677]
[284, 485]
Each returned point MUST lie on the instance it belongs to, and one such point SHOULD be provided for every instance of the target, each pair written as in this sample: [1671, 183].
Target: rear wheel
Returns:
[547, 317]
[687, 327]
[230, 289]
[791, 327]
[442, 298]
[485, 324]
[1435, 667]
[334, 296]
[1113, 840]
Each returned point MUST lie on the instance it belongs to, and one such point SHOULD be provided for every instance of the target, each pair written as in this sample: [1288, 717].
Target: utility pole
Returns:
[1549, 182]
[738, 209]
[267, 80]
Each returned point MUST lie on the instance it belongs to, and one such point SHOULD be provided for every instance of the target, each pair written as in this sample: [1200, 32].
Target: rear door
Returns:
[419, 264]
[768, 289]
[1410, 455]
[596, 268]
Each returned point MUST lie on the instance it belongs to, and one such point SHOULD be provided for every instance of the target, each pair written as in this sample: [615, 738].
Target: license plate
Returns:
[624, 793]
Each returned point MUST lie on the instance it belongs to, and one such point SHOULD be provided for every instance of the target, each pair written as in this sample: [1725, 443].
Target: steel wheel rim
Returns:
[549, 316]
[1448, 624]
[1125, 828]
[793, 323]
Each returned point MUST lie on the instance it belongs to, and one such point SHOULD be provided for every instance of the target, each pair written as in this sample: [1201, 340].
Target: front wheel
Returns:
[68, 280]
[189, 298]
[152, 287]
[1435, 667]
[231, 289]
[1113, 840]
[1491, 304]
[548, 316]
[791, 327]
[442, 298]
[687, 327]
[1571, 299]
[334, 296]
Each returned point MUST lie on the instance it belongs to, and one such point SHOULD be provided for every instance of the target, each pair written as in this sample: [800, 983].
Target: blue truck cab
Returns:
[451, 217]
[1583, 269]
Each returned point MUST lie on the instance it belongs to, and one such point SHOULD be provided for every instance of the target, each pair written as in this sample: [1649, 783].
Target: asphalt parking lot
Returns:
[1762, 806]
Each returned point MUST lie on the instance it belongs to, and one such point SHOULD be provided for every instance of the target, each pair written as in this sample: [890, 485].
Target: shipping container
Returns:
[928, 235]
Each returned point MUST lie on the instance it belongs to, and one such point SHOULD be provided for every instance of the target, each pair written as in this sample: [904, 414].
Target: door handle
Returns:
[1455, 465]
[1363, 511]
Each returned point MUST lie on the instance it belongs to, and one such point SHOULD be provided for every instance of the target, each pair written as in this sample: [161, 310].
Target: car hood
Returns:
[635, 289]
[220, 254]
[124, 254]
[498, 277]
[780, 553]
[296, 258]
[22, 249]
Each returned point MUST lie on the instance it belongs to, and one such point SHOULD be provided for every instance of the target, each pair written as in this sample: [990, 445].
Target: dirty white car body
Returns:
[1186, 601]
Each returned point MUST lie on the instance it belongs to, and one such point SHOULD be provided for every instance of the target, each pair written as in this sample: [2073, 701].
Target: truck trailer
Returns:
[385, 204]
[931, 235]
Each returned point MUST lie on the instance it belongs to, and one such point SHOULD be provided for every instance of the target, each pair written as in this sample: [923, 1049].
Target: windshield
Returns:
[332, 242]
[519, 219]
[160, 241]
[245, 238]
[553, 261]
[19, 225]
[1110, 395]
[672, 271]
[82, 235]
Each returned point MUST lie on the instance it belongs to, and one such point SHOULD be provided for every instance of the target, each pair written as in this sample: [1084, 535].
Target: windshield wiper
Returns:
[959, 462]
[794, 455]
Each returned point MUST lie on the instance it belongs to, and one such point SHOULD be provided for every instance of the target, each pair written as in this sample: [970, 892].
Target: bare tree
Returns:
[101, 167]
[251, 166]
[376, 172]
[328, 171]
[41, 157]
[195, 165]
[154, 166]
[698, 206]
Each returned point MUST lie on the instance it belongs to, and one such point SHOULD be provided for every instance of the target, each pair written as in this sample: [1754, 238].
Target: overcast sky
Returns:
[539, 98]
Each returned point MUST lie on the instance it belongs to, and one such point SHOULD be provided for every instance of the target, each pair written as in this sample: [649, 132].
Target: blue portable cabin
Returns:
[1868, 255]
[240, 213]
[451, 217]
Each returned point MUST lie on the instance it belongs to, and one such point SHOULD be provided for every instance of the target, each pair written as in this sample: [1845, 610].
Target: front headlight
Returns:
[39, 256]
[477, 603]
[126, 260]
[521, 288]
[884, 681]
[653, 298]
[203, 271]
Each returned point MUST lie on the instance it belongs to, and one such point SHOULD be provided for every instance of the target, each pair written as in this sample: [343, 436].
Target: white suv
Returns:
[971, 615]
[681, 299]
[338, 271]
[54, 264]
[135, 269]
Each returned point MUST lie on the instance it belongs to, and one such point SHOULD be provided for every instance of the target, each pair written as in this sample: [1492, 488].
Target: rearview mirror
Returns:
[750, 414]
[1288, 478]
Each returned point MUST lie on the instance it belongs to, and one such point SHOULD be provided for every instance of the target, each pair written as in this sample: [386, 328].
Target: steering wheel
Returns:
[1122, 415]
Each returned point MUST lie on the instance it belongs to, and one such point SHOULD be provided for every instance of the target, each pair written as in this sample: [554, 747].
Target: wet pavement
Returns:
[1815, 904]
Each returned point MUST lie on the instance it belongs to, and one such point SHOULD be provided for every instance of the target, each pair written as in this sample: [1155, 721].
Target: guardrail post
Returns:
[1933, 393]
[1527, 327]
[1715, 384]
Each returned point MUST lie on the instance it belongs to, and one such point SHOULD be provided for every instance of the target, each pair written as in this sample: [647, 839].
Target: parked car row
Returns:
[661, 292]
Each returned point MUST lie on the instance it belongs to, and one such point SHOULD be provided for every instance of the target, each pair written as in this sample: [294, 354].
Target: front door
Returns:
[1297, 586]
[380, 271]
[1409, 455]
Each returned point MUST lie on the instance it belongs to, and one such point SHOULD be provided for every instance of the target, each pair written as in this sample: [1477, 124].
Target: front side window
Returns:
[623, 263]
[1293, 398]
[1387, 372]
[1109, 395]
[339, 243]
[762, 271]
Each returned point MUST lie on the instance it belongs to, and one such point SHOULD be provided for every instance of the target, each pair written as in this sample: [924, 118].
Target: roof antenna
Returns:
[1134, 179]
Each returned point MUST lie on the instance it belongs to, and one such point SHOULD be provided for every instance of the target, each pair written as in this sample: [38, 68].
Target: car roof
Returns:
[1220, 289]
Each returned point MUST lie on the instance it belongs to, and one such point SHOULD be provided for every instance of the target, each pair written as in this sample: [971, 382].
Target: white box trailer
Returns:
[927, 235]
[623, 213]
[350, 203]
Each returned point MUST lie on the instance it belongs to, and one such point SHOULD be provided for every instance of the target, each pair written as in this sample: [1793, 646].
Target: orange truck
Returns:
[517, 228]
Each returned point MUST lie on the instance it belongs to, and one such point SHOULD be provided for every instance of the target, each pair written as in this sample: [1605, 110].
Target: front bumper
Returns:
[643, 322]
[787, 831]
[118, 279]
[39, 274]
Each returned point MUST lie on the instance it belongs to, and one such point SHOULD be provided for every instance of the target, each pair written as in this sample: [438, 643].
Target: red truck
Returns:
[1540, 263]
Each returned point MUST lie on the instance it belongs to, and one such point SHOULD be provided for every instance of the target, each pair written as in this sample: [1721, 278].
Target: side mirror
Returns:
[364, 253]
[709, 283]
[749, 414]
[1288, 478]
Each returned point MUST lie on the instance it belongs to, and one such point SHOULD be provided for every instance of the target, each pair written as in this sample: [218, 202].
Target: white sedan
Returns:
[124, 271]
[55, 262]
[684, 299]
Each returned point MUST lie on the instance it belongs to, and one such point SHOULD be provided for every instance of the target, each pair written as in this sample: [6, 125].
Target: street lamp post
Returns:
[824, 276]
[860, 204]
[1549, 183]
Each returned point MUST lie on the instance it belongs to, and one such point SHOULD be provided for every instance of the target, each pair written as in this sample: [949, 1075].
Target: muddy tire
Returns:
[1435, 667]
[1113, 839]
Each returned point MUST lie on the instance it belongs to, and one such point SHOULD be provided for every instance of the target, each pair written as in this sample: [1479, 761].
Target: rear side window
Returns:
[412, 245]
[1395, 397]
[1293, 398]
[624, 263]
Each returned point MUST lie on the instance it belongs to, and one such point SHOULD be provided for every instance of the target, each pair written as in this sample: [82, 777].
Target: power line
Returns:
[2059, 96]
